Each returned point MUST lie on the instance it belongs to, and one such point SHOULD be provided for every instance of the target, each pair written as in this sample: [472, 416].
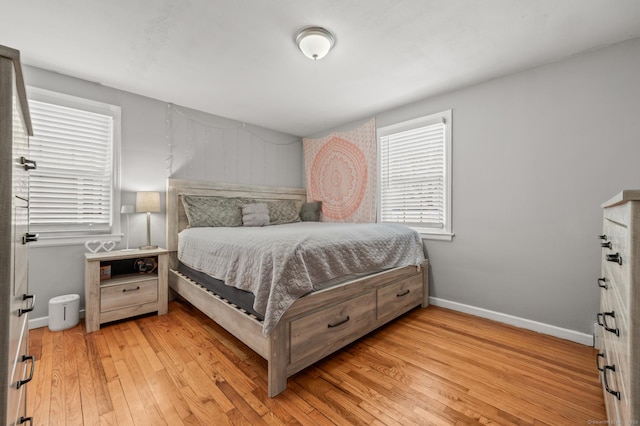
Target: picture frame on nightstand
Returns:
[105, 272]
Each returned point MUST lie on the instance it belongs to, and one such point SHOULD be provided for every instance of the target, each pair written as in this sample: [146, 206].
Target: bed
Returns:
[313, 323]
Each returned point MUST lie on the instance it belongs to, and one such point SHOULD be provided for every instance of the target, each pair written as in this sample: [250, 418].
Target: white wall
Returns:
[157, 142]
[534, 156]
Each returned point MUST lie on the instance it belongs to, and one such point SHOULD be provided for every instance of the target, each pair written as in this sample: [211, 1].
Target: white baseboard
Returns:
[552, 330]
[44, 321]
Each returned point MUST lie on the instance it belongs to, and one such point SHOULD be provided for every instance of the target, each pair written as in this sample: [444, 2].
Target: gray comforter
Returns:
[281, 263]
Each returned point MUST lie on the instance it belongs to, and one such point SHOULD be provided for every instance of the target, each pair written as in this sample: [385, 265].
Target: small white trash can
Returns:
[64, 312]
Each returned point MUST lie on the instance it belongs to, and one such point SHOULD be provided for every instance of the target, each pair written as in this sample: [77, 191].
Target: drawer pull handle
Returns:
[29, 238]
[339, 323]
[23, 419]
[600, 355]
[124, 290]
[404, 293]
[26, 358]
[602, 237]
[615, 258]
[606, 382]
[603, 316]
[604, 283]
[29, 309]
[606, 245]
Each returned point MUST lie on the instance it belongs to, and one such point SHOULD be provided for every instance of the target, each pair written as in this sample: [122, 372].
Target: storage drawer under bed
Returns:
[397, 298]
[329, 329]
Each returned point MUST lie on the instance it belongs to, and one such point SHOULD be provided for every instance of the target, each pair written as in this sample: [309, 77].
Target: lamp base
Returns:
[147, 247]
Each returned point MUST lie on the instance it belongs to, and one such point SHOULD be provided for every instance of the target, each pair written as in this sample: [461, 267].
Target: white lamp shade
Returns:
[126, 209]
[315, 42]
[148, 202]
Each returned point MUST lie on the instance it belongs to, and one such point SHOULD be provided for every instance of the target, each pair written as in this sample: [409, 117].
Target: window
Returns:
[74, 189]
[415, 174]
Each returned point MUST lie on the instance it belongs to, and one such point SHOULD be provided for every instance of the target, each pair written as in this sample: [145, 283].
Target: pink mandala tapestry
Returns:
[341, 172]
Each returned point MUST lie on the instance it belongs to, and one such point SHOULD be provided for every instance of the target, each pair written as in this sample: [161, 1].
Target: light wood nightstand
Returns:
[114, 289]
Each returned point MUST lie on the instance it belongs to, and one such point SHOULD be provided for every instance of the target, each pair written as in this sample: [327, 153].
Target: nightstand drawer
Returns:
[132, 293]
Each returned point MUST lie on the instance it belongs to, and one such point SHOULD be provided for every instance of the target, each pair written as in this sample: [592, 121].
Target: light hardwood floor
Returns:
[431, 366]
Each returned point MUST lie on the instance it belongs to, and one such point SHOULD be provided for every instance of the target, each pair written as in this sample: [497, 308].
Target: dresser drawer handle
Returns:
[339, 323]
[124, 290]
[26, 358]
[603, 316]
[606, 382]
[604, 283]
[30, 238]
[404, 293]
[23, 419]
[606, 245]
[614, 258]
[600, 355]
[29, 309]
[602, 237]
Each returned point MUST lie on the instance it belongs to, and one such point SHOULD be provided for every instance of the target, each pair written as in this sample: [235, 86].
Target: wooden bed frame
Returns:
[316, 324]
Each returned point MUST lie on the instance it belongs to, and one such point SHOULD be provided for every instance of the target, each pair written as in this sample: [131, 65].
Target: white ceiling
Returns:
[237, 58]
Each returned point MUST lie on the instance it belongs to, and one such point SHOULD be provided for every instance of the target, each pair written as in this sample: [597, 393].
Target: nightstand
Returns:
[114, 288]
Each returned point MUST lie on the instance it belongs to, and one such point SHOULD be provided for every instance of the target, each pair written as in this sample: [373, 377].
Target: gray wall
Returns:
[158, 142]
[534, 156]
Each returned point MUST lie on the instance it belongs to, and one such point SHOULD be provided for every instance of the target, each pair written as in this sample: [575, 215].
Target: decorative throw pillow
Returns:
[213, 211]
[310, 211]
[283, 211]
[256, 214]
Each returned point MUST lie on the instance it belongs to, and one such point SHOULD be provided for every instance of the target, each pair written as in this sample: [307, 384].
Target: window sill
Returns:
[429, 233]
[57, 241]
[436, 236]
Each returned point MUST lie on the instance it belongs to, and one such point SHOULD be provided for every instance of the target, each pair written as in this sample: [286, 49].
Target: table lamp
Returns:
[148, 202]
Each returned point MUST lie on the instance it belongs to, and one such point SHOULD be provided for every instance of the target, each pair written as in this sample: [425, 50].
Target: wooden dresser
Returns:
[619, 316]
[16, 368]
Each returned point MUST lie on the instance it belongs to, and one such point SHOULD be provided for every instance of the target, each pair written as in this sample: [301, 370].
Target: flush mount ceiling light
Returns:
[315, 42]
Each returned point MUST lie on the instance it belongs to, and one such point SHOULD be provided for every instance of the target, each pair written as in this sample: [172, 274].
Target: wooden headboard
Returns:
[177, 218]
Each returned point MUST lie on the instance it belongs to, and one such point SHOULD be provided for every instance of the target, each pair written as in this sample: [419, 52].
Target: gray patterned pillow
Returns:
[310, 212]
[213, 211]
[283, 211]
[256, 214]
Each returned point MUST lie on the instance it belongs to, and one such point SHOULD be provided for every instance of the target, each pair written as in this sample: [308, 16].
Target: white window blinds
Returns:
[415, 173]
[412, 184]
[71, 188]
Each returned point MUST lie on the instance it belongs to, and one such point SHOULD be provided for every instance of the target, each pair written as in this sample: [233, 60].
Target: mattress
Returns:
[242, 299]
[280, 263]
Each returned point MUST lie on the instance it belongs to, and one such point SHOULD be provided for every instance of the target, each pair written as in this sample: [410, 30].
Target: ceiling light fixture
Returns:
[315, 42]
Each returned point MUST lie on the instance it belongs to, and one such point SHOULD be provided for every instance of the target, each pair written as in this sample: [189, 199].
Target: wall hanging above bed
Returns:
[341, 172]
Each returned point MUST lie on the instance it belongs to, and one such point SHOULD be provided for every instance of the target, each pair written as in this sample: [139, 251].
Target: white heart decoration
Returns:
[108, 245]
[93, 246]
